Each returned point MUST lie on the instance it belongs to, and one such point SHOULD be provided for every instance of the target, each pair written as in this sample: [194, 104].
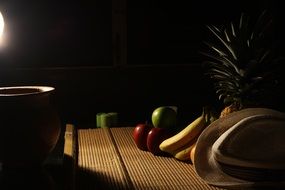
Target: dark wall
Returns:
[52, 43]
[72, 33]
[57, 33]
[132, 92]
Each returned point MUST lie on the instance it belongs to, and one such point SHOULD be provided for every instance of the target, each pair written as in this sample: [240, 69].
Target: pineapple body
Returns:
[229, 109]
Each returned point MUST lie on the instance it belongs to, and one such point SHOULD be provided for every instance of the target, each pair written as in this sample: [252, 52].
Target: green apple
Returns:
[164, 117]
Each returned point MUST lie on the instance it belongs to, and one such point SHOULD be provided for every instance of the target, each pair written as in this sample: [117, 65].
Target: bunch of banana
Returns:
[181, 143]
[184, 153]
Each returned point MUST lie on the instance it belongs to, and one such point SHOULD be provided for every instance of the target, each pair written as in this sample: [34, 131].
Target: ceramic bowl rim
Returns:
[40, 90]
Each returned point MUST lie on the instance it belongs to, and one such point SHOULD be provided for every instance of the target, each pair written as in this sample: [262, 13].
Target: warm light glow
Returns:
[2, 24]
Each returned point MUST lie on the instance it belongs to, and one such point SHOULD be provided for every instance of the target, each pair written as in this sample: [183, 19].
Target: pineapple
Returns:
[241, 62]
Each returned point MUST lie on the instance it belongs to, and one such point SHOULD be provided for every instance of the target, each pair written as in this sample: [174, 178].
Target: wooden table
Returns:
[107, 158]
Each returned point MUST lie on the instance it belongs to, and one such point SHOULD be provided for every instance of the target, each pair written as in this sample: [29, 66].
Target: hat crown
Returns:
[256, 141]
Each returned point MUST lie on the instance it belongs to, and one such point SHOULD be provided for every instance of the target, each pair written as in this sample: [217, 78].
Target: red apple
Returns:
[140, 134]
[155, 137]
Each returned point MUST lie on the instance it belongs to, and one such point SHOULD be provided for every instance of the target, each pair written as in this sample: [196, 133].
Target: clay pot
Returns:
[29, 125]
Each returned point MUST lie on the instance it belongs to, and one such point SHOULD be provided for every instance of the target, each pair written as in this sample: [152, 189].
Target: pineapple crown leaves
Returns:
[240, 58]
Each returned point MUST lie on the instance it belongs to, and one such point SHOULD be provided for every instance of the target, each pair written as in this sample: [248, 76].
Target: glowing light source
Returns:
[1, 25]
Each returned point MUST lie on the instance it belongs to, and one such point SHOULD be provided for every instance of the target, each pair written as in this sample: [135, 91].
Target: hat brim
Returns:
[206, 166]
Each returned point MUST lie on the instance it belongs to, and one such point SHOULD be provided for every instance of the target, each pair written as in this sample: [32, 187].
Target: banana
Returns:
[183, 153]
[185, 136]
[192, 153]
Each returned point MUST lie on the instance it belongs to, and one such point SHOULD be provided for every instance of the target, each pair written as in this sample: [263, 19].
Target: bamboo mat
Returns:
[109, 159]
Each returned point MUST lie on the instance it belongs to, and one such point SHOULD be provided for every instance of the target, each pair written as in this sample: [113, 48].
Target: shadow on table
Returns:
[87, 179]
[27, 178]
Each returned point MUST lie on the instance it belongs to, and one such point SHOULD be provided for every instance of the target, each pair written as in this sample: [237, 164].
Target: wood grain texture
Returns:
[109, 158]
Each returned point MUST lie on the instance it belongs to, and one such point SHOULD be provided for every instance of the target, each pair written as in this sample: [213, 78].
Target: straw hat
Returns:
[243, 149]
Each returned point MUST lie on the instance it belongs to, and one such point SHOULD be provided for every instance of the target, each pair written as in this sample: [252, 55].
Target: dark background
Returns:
[77, 46]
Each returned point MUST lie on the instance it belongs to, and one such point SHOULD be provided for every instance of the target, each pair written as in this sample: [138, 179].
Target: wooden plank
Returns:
[99, 165]
[70, 157]
[148, 171]
[108, 158]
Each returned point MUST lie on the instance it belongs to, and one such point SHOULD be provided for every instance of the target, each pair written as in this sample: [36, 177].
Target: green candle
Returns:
[98, 119]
